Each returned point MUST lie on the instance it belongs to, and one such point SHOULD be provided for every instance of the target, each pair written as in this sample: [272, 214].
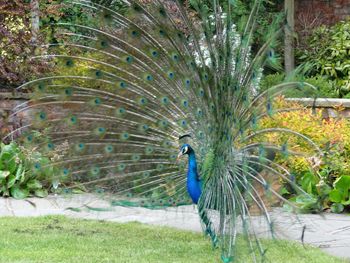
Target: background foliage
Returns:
[16, 46]
[323, 56]
[328, 50]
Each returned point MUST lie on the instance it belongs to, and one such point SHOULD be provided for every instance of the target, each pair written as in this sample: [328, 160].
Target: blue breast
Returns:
[193, 182]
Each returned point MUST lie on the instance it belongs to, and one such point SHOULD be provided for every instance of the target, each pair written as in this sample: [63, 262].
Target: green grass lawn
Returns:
[59, 239]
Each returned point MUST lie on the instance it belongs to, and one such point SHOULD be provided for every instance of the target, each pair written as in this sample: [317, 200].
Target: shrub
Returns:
[329, 52]
[325, 87]
[327, 181]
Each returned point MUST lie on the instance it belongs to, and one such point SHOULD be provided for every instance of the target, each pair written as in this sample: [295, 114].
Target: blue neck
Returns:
[193, 182]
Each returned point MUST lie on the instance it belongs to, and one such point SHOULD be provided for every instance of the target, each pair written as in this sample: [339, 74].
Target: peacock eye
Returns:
[184, 150]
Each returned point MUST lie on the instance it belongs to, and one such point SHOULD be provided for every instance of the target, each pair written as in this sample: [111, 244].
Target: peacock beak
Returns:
[179, 156]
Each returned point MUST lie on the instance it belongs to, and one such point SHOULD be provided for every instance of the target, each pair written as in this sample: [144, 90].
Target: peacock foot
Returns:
[226, 259]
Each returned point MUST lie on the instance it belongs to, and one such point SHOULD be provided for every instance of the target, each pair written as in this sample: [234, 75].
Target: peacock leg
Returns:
[209, 228]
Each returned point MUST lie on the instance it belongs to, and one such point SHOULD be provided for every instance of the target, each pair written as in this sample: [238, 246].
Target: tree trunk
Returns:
[289, 35]
[35, 20]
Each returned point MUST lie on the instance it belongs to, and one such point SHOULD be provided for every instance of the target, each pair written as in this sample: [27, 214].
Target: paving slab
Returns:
[5, 209]
[330, 232]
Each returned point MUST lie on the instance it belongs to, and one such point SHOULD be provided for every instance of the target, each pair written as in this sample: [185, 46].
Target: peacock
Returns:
[158, 105]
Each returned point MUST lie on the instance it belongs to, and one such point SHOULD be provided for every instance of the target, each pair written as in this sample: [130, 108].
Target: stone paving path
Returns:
[330, 232]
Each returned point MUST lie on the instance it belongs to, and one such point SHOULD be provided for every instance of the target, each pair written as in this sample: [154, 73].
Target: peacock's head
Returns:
[184, 149]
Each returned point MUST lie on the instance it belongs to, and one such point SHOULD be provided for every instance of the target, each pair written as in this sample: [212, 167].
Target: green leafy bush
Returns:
[340, 194]
[325, 87]
[329, 52]
[18, 177]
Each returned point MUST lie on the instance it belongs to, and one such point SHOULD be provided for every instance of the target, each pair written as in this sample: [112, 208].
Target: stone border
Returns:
[8, 101]
[322, 102]
[14, 96]
[332, 108]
